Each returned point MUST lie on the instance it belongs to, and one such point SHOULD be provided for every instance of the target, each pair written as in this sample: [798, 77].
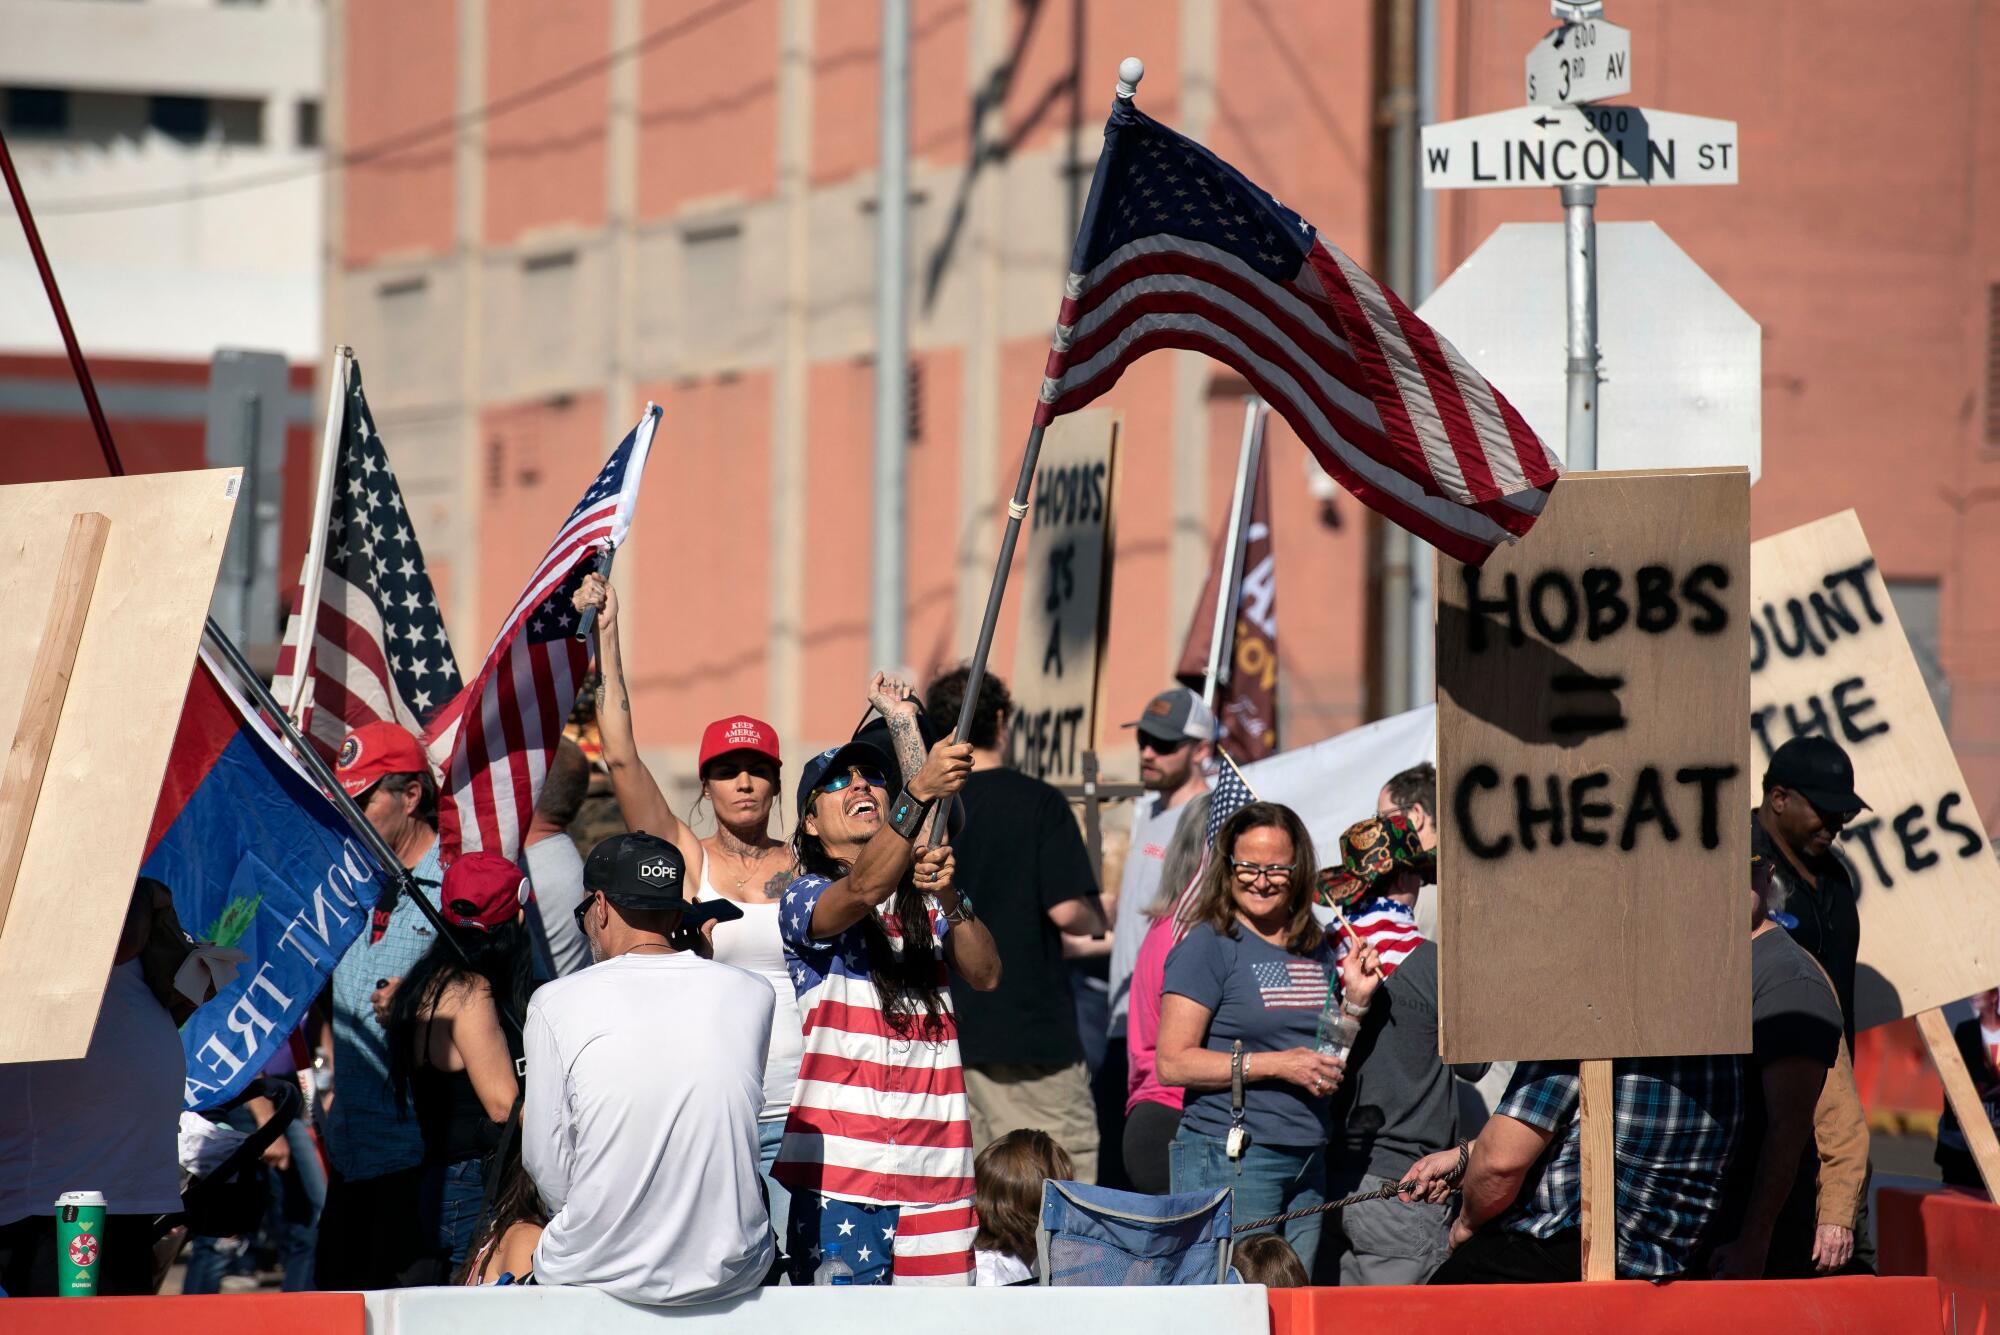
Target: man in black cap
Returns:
[651, 1057]
[1808, 797]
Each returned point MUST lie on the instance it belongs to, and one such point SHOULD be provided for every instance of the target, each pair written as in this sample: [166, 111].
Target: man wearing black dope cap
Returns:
[653, 1055]
[1808, 798]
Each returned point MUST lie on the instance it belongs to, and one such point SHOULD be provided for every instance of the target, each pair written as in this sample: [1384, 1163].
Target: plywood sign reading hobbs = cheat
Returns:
[1594, 847]
[1065, 597]
[1828, 656]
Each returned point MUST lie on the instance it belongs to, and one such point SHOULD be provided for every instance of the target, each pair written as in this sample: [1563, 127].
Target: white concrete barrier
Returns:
[1235, 1309]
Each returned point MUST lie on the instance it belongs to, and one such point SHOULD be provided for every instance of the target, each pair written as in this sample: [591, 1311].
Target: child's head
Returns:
[1007, 1190]
[1267, 1259]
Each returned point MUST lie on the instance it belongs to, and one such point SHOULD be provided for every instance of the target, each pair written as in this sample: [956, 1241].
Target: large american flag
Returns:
[1228, 795]
[1179, 250]
[492, 744]
[377, 643]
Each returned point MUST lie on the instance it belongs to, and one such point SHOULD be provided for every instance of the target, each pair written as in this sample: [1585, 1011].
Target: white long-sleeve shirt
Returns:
[645, 1075]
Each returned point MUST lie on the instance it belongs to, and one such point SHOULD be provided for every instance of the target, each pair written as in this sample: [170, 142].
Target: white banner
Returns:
[1332, 784]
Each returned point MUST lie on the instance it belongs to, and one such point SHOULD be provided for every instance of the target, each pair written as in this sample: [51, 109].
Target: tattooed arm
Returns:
[640, 800]
[893, 699]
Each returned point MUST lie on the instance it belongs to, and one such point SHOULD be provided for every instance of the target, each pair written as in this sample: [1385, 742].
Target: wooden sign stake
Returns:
[1598, 1161]
[1964, 1099]
[48, 686]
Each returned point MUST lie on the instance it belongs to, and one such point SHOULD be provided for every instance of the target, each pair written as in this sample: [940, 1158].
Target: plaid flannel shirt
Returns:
[1677, 1121]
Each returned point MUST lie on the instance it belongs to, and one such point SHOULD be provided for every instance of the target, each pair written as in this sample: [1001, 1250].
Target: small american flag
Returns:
[493, 743]
[377, 646]
[1389, 927]
[1178, 250]
[1228, 795]
[1293, 985]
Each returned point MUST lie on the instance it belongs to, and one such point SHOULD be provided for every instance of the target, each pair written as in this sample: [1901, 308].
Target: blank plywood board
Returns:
[1594, 851]
[1828, 655]
[118, 720]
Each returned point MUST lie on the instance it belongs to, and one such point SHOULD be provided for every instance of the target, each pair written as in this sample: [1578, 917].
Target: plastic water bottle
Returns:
[833, 1270]
[1337, 1029]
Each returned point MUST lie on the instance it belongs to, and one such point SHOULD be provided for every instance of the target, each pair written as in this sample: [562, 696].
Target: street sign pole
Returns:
[1567, 137]
[1580, 280]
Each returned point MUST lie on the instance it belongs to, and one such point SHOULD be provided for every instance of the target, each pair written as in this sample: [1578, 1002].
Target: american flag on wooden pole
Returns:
[1179, 250]
[492, 744]
[366, 641]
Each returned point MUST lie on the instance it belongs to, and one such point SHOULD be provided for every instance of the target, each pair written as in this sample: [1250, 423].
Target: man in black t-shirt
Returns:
[1022, 861]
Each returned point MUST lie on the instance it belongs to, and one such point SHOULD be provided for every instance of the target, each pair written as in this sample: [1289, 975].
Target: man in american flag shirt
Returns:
[878, 1144]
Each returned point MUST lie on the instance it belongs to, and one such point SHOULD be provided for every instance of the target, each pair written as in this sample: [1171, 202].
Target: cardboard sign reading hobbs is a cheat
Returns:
[1594, 854]
[1065, 597]
[1828, 656]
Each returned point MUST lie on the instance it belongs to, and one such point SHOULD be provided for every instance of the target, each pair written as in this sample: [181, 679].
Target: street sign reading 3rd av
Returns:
[1580, 62]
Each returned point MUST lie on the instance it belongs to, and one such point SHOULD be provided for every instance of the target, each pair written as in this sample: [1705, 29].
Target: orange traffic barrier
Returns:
[1952, 1236]
[1860, 1306]
[272, 1313]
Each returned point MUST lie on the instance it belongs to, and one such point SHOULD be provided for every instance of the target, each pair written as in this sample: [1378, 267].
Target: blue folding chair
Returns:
[1097, 1236]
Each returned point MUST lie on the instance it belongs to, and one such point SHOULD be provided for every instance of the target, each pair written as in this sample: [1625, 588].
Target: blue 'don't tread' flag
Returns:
[257, 858]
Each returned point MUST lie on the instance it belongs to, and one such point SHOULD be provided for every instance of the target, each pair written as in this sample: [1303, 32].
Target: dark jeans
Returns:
[454, 1198]
[1107, 1091]
[291, 1225]
[124, 1263]
[370, 1234]
[1502, 1256]
[1149, 1129]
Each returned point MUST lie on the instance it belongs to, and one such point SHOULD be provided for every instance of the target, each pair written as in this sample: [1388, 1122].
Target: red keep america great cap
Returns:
[374, 750]
[738, 732]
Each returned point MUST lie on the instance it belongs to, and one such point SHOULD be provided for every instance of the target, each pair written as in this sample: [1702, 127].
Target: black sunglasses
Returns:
[1162, 748]
[589, 898]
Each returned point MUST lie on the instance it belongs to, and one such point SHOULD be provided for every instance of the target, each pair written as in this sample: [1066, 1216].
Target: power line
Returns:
[403, 140]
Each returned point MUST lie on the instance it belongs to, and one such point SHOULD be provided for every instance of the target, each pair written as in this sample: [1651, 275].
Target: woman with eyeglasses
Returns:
[1242, 1003]
[742, 862]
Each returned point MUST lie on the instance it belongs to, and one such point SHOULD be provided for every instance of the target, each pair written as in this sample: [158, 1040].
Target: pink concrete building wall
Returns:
[400, 203]
[545, 161]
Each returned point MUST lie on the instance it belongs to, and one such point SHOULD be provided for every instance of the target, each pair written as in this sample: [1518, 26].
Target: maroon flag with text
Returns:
[1246, 697]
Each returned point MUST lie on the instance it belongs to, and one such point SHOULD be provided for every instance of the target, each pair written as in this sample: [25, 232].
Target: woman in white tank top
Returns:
[739, 768]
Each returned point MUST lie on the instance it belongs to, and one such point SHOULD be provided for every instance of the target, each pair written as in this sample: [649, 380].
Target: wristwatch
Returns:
[962, 912]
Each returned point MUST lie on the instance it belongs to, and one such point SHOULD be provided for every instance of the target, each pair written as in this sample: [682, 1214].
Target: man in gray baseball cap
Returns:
[653, 1055]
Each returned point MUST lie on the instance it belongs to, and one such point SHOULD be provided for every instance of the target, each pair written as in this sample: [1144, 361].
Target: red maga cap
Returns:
[483, 891]
[738, 732]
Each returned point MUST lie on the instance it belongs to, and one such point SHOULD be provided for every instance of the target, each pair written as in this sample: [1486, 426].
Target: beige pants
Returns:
[1010, 1096]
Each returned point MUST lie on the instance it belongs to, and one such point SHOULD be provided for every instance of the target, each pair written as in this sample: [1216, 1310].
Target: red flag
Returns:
[1246, 704]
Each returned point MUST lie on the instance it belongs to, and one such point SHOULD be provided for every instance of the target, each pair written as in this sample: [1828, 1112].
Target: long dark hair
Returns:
[514, 1201]
[905, 980]
[502, 957]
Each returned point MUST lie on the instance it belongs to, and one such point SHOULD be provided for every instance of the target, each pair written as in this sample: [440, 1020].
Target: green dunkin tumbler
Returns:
[79, 1239]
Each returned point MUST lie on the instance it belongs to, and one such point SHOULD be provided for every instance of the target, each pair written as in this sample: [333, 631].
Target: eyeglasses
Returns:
[1162, 748]
[1251, 872]
[872, 777]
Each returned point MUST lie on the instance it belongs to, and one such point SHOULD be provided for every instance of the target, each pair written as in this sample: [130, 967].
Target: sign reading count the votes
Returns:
[1594, 849]
[1065, 597]
[1828, 656]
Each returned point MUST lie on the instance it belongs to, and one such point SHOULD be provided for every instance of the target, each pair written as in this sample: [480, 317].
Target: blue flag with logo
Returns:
[258, 859]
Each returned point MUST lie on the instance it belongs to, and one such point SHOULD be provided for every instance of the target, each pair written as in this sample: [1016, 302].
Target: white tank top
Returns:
[752, 944]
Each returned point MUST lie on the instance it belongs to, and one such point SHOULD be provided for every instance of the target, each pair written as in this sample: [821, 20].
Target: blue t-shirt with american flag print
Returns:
[879, 1113]
[1269, 998]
